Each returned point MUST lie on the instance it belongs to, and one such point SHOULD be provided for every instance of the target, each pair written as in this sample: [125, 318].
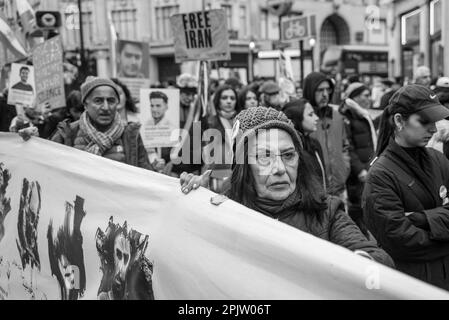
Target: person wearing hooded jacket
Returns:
[405, 200]
[363, 140]
[331, 132]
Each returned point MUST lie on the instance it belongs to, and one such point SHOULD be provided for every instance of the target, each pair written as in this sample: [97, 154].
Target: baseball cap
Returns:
[424, 102]
[443, 82]
[269, 87]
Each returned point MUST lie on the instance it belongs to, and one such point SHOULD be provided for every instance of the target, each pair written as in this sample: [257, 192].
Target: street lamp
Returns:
[251, 50]
[312, 43]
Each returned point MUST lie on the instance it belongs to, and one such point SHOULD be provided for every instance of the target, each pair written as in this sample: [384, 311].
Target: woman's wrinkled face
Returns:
[310, 119]
[228, 101]
[250, 100]
[273, 162]
[415, 132]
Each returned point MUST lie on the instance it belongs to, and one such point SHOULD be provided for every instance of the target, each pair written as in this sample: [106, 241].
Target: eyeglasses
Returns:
[267, 159]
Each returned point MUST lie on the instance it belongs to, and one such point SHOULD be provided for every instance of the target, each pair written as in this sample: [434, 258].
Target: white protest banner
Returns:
[159, 116]
[21, 85]
[78, 226]
[49, 70]
[200, 35]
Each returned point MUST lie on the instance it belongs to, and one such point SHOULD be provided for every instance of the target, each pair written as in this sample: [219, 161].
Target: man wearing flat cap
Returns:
[270, 95]
[100, 130]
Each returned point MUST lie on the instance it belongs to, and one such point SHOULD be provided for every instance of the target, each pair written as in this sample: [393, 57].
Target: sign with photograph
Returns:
[133, 65]
[200, 35]
[132, 59]
[159, 116]
[22, 87]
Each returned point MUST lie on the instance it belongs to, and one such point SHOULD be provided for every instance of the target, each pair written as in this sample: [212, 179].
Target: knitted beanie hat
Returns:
[250, 120]
[355, 89]
[93, 82]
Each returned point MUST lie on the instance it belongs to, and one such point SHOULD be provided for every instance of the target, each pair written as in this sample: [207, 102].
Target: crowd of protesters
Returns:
[318, 161]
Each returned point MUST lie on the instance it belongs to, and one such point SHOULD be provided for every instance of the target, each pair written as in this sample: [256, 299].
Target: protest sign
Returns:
[132, 59]
[159, 116]
[200, 35]
[74, 225]
[21, 85]
[49, 70]
[133, 65]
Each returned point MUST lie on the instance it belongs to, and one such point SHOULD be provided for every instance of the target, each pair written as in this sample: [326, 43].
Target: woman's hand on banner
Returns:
[159, 165]
[191, 182]
[29, 132]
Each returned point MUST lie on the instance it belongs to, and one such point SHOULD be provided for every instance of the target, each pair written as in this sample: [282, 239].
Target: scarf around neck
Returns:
[278, 209]
[99, 142]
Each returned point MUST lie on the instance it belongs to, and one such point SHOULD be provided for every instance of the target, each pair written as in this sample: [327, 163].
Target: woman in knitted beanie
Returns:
[270, 175]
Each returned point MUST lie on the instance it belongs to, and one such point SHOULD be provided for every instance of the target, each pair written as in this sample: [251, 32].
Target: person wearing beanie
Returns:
[331, 132]
[405, 199]
[100, 130]
[270, 175]
[363, 140]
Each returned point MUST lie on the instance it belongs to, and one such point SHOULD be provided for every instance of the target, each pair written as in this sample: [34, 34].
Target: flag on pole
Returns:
[10, 41]
[27, 16]
[113, 37]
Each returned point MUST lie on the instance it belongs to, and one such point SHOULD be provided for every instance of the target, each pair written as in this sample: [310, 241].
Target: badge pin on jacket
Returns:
[443, 195]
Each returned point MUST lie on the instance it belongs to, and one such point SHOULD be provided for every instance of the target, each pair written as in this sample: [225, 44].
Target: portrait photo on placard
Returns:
[132, 59]
[22, 88]
[159, 116]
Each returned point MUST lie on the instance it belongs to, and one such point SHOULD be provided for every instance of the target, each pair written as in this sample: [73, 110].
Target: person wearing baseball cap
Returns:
[405, 200]
[99, 130]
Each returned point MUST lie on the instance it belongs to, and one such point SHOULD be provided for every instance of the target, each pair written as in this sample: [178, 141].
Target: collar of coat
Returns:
[325, 112]
[397, 154]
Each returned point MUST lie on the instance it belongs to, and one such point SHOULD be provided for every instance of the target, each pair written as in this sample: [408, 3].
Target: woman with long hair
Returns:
[248, 98]
[405, 199]
[218, 152]
[127, 108]
[305, 120]
[271, 176]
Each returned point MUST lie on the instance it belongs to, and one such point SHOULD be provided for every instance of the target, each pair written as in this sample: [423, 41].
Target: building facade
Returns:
[338, 22]
[419, 32]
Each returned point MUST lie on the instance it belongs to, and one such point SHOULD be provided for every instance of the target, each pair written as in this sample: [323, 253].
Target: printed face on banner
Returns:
[21, 85]
[132, 59]
[159, 115]
[200, 35]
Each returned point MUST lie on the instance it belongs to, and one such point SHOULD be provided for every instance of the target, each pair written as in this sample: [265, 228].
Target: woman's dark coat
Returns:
[403, 208]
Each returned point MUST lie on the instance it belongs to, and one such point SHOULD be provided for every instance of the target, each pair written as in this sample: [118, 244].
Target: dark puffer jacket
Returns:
[135, 153]
[403, 208]
[337, 227]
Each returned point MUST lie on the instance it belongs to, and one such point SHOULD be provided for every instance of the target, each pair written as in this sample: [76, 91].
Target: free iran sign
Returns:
[201, 35]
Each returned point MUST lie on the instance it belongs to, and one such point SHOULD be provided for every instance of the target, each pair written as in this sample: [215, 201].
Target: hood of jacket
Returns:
[311, 83]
